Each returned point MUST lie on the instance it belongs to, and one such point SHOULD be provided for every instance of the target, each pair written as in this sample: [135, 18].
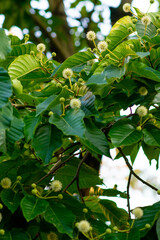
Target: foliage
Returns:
[47, 184]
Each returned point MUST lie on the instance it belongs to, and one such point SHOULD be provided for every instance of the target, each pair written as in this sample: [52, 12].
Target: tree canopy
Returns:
[57, 120]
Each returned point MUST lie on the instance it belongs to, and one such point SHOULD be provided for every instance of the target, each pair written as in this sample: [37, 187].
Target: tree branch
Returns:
[133, 173]
[76, 177]
[56, 166]
[128, 195]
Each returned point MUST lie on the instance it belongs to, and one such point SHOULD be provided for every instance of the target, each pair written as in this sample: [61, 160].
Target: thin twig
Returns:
[57, 165]
[133, 173]
[76, 177]
[128, 195]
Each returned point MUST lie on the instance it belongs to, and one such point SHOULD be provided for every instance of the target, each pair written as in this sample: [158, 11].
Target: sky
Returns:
[116, 172]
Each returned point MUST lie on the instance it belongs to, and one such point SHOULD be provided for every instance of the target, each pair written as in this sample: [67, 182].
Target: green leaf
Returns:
[96, 138]
[15, 132]
[74, 60]
[123, 133]
[31, 124]
[88, 177]
[87, 104]
[143, 54]
[51, 101]
[119, 31]
[155, 18]
[5, 47]
[151, 152]
[117, 216]
[23, 65]
[47, 140]
[61, 217]
[134, 234]
[151, 135]
[110, 73]
[11, 199]
[131, 151]
[6, 117]
[151, 214]
[32, 207]
[143, 70]
[155, 57]
[71, 124]
[158, 228]
[5, 87]
[3, 141]
[143, 31]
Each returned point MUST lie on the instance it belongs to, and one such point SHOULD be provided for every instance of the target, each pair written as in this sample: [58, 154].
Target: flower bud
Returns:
[60, 196]
[19, 178]
[53, 54]
[1, 205]
[62, 99]
[85, 210]
[2, 232]
[33, 185]
[34, 191]
[139, 128]
[108, 230]
[147, 226]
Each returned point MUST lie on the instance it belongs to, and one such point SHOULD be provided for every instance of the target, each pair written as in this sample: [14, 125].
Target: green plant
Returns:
[53, 117]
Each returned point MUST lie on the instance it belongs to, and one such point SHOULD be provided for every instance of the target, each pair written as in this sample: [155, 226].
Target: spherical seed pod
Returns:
[67, 73]
[75, 103]
[6, 183]
[102, 46]
[137, 212]
[83, 226]
[143, 91]
[127, 7]
[52, 236]
[142, 111]
[56, 186]
[41, 47]
[146, 20]
[91, 35]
